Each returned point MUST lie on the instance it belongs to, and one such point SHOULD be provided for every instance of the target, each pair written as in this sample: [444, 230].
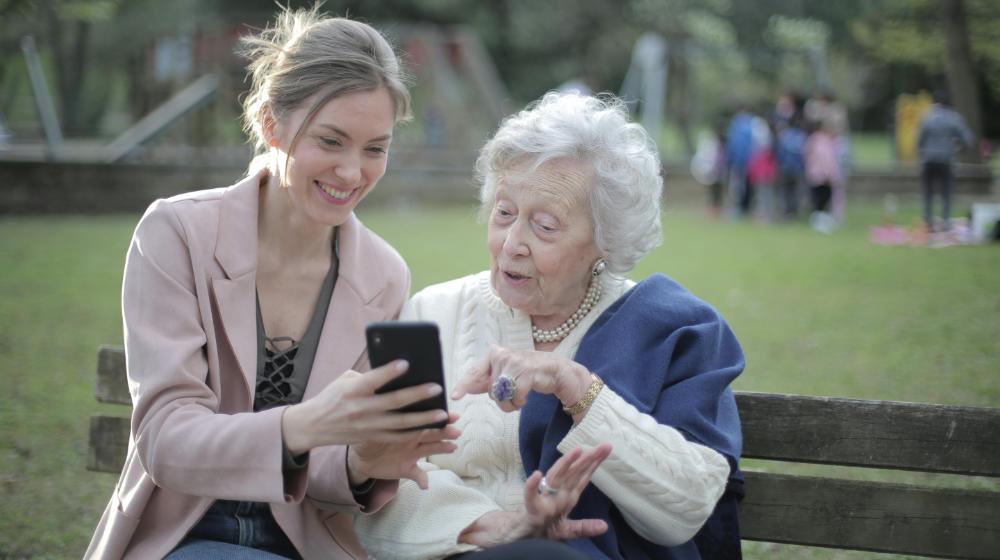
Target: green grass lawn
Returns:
[821, 315]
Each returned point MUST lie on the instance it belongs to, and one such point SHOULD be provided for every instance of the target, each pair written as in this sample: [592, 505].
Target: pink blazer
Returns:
[188, 301]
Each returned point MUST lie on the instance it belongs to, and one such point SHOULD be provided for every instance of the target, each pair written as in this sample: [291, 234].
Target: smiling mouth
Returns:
[335, 193]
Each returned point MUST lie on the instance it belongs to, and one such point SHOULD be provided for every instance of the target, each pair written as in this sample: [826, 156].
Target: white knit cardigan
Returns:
[665, 486]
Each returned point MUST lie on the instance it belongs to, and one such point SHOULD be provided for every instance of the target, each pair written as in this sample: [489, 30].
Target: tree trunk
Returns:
[963, 84]
[679, 87]
[73, 96]
[502, 51]
[11, 82]
[69, 42]
[54, 36]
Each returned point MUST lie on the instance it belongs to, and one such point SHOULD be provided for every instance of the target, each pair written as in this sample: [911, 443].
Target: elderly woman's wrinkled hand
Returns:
[547, 506]
[549, 499]
[509, 375]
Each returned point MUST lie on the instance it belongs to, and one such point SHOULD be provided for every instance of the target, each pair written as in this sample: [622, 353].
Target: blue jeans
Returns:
[238, 530]
[198, 549]
[529, 548]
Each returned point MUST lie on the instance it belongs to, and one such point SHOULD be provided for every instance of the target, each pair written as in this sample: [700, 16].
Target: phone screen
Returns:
[418, 343]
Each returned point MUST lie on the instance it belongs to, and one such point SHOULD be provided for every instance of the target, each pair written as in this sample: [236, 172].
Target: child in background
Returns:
[791, 165]
[762, 172]
[708, 166]
[823, 176]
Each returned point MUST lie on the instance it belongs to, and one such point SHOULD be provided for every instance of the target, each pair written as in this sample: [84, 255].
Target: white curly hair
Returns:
[594, 132]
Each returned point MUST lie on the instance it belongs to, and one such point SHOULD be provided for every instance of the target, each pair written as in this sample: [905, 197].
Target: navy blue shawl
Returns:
[672, 356]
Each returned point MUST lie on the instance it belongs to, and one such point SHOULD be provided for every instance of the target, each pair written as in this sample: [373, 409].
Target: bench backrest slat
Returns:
[108, 443]
[112, 384]
[795, 509]
[871, 516]
[879, 434]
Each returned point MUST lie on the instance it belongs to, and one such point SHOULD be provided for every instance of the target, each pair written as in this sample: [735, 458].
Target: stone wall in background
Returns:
[32, 187]
[88, 188]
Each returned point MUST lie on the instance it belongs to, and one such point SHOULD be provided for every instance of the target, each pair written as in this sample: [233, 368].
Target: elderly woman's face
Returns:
[541, 240]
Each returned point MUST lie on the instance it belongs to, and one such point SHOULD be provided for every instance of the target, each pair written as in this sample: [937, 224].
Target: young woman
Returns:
[253, 435]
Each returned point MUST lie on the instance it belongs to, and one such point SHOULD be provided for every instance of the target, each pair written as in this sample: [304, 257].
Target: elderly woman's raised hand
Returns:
[548, 501]
[509, 375]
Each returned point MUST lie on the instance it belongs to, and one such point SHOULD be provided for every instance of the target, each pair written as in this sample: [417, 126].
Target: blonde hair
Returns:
[305, 53]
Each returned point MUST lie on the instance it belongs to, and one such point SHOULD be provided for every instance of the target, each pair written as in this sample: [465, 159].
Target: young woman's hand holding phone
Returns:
[364, 410]
[385, 442]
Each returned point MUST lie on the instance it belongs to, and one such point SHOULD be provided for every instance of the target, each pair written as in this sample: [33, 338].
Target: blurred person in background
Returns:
[739, 149]
[839, 126]
[786, 108]
[708, 166]
[789, 150]
[762, 171]
[831, 116]
[594, 410]
[943, 132]
[253, 434]
[822, 174]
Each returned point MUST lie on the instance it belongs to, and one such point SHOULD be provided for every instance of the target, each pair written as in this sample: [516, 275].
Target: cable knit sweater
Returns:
[486, 472]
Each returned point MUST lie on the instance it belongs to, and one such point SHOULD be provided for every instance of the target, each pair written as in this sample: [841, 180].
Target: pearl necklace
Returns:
[562, 331]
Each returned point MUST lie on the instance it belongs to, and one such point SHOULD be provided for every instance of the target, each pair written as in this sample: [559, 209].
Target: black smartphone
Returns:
[418, 343]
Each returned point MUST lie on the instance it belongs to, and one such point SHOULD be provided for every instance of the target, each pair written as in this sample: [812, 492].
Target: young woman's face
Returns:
[339, 156]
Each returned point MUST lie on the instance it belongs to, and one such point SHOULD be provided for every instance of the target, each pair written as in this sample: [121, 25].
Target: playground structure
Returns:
[458, 99]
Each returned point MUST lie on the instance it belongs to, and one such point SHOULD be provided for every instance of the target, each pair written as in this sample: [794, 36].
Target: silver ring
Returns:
[545, 488]
[503, 388]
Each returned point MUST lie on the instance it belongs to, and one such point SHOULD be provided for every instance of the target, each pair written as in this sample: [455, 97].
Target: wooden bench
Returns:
[844, 513]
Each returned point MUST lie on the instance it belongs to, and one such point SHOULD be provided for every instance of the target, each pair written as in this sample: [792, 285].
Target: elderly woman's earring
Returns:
[599, 267]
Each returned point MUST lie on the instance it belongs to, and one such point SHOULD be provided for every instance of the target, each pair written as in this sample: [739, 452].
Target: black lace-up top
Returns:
[283, 368]
[284, 364]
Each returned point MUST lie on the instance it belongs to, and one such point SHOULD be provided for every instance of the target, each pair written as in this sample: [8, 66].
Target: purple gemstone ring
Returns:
[504, 388]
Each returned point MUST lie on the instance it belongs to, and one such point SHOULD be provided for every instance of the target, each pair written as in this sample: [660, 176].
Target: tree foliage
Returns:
[720, 49]
[911, 32]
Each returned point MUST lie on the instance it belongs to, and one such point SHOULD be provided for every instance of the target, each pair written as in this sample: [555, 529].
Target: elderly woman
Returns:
[553, 355]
